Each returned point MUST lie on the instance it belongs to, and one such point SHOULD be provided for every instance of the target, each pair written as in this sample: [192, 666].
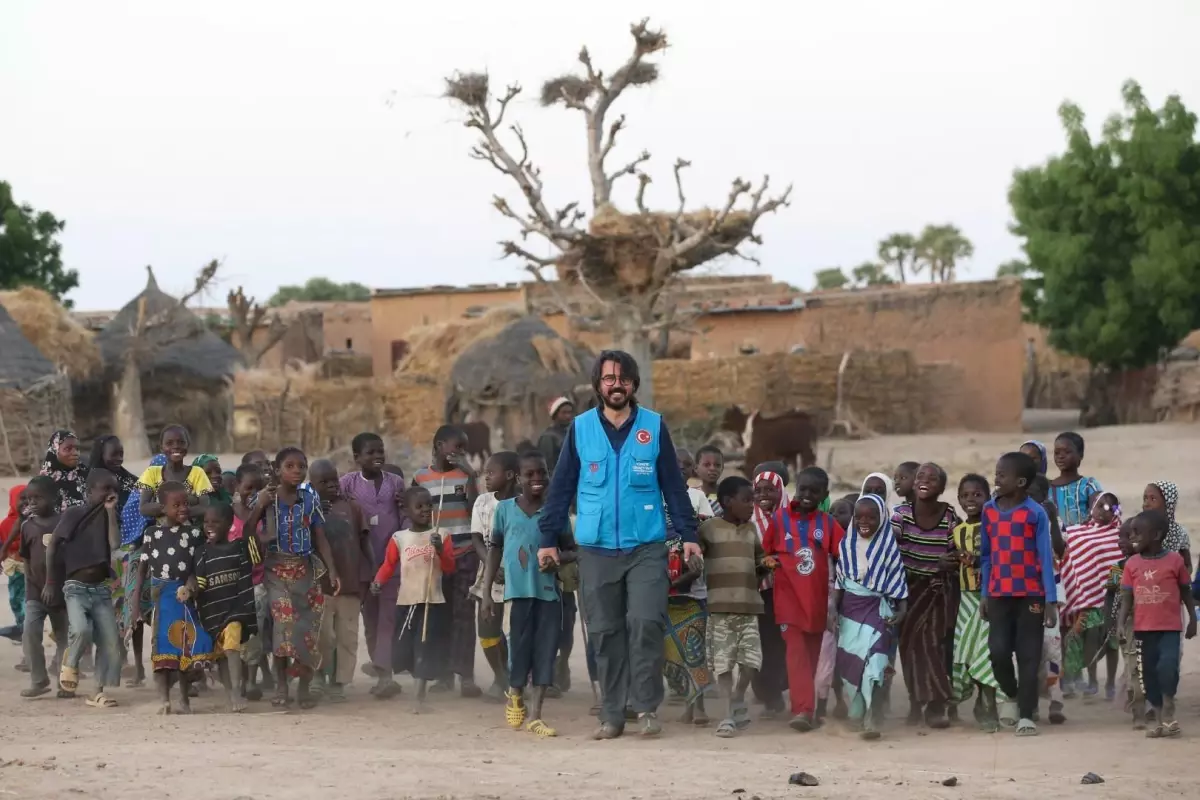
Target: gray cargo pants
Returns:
[625, 603]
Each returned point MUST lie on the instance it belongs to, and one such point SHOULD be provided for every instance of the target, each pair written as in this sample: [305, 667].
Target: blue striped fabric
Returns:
[884, 568]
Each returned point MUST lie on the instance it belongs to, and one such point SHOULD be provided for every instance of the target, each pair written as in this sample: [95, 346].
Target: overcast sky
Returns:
[297, 139]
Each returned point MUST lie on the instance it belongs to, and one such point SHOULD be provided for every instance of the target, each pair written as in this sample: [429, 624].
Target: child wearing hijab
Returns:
[61, 465]
[1037, 451]
[770, 492]
[881, 486]
[1092, 550]
[872, 598]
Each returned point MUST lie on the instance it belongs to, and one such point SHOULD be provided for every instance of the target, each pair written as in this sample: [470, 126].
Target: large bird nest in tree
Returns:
[625, 260]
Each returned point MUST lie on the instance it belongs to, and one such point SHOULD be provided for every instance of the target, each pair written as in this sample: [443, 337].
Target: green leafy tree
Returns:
[320, 290]
[1112, 226]
[899, 252]
[939, 249]
[1031, 284]
[871, 273]
[831, 278]
[30, 254]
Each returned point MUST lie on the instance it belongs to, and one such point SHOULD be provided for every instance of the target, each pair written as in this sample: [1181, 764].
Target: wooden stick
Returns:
[429, 584]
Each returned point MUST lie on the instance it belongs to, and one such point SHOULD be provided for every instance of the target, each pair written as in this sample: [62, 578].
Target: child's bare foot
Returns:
[164, 710]
[444, 685]
[237, 704]
[281, 699]
[304, 695]
[184, 706]
[688, 716]
[422, 707]
[840, 711]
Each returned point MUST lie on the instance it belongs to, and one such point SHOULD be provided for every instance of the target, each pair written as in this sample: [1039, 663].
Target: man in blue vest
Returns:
[618, 465]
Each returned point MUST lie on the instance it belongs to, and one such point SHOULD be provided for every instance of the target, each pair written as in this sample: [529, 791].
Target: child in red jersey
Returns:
[800, 541]
[1153, 585]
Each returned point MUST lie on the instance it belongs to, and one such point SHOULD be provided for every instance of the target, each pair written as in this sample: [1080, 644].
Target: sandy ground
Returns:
[368, 749]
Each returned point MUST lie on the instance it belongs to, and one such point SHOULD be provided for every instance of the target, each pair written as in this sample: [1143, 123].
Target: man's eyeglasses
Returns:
[611, 380]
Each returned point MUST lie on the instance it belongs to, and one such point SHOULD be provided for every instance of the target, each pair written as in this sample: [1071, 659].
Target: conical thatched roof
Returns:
[21, 364]
[526, 359]
[182, 343]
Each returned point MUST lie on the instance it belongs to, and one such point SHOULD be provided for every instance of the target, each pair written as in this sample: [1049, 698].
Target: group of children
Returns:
[266, 571]
[1020, 597]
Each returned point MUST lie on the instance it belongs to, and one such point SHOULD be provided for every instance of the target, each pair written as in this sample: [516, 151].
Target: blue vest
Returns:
[619, 504]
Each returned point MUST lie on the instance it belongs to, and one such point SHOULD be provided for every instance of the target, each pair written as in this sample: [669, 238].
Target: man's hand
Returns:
[692, 550]
[1051, 615]
[547, 553]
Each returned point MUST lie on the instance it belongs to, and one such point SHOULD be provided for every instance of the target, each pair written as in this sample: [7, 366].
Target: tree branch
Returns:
[472, 90]
[643, 182]
[577, 319]
[629, 169]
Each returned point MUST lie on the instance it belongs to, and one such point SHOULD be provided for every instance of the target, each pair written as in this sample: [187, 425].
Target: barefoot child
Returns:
[531, 593]
[379, 492]
[500, 482]
[177, 643]
[453, 484]
[423, 557]
[256, 672]
[972, 664]
[1018, 598]
[1092, 550]
[223, 584]
[1052, 678]
[802, 539]
[349, 542]
[84, 540]
[686, 669]
[871, 598]
[1153, 585]
[733, 557]
[292, 535]
[14, 565]
[770, 493]
[35, 532]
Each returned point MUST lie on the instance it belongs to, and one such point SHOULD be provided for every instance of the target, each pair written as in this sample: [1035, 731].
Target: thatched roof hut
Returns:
[53, 331]
[185, 376]
[509, 379]
[35, 399]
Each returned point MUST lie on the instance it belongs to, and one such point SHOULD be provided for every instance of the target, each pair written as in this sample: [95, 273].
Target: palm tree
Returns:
[939, 248]
[898, 251]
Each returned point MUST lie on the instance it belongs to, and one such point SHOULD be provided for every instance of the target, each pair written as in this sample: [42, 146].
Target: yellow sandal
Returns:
[514, 710]
[68, 678]
[540, 729]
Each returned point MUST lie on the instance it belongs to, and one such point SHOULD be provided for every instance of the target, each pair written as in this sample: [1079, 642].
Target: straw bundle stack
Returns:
[52, 330]
[433, 349]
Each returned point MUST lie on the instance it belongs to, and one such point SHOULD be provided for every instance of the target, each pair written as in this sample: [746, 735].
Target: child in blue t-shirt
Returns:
[530, 592]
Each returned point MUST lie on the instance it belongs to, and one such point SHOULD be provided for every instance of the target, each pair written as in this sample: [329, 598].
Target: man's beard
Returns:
[615, 405]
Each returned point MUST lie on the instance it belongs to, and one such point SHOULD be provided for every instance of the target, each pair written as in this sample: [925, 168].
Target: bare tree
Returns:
[621, 262]
[148, 334]
[246, 316]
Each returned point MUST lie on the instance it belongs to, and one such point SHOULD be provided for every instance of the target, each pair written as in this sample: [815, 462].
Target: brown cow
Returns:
[790, 437]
